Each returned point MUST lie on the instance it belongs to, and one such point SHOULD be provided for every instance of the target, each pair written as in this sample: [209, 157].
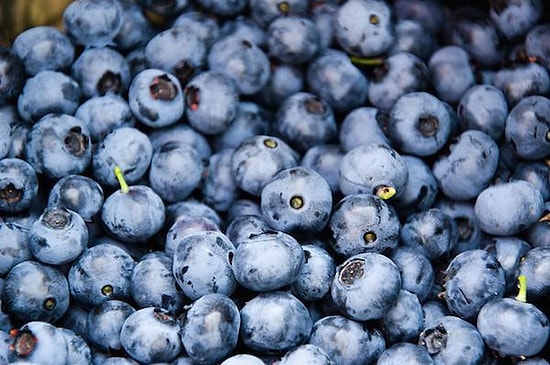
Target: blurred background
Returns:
[18, 15]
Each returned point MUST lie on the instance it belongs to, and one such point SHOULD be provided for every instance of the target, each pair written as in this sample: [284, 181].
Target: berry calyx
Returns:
[385, 192]
[162, 88]
[10, 194]
[23, 343]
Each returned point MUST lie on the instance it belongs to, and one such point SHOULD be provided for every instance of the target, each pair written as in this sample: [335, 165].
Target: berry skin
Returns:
[18, 185]
[293, 39]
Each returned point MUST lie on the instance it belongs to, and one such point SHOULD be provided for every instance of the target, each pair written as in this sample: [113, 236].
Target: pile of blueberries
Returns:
[277, 182]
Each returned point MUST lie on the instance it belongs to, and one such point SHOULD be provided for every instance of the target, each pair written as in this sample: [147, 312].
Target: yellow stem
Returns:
[120, 177]
[385, 192]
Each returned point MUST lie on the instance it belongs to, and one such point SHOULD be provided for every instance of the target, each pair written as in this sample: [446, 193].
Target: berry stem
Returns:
[121, 180]
[364, 61]
[522, 285]
[385, 192]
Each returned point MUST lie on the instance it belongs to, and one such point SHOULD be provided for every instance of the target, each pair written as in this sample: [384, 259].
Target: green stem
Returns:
[364, 61]
[522, 285]
[121, 180]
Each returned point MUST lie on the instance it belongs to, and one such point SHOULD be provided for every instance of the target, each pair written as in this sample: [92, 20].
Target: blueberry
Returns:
[428, 13]
[509, 251]
[126, 147]
[191, 207]
[243, 206]
[156, 98]
[508, 208]
[245, 62]
[267, 261]
[363, 223]
[473, 278]
[522, 80]
[13, 75]
[366, 286]
[485, 108]
[218, 187]
[431, 231]
[202, 264]
[164, 8]
[104, 323]
[513, 327]
[372, 168]
[404, 320]
[419, 124]
[347, 341]
[318, 269]
[534, 266]
[6, 137]
[48, 92]
[323, 14]
[135, 30]
[211, 101]
[153, 285]
[452, 340]
[15, 246]
[149, 335]
[297, 199]
[134, 214]
[389, 83]
[101, 273]
[244, 27]
[44, 48]
[535, 41]
[284, 80]
[537, 233]
[210, 328]
[104, 114]
[434, 310]
[361, 125]
[307, 354]
[305, 120]
[181, 133]
[405, 352]
[515, 19]
[38, 342]
[78, 350]
[274, 322]
[58, 236]
[92, 23]
[333, 77]
[78, 193]
[451, 73]
[175, 171]
[325, 159]
[469, 167]
[251, 119]
[35, 292]
[184, 225]
[421, 189]
[528, 128]
[206, 27]
[417, 272]
[293, 39]
[18, 185]
[258, 159]
[364, 28]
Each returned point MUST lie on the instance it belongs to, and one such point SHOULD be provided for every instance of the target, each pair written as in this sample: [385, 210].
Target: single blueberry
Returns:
[405, 353]
[333, 77]
[202, 264]
[48, 92]
[155, 97]
[241, 359]
[325, 159]
[362, 125]
[44, 48]
[58, 236]
[508, 208]
[18, 185]
[263, 12]
[92, 22]
[274, 322]
[184, 225]
[180, 132]
[284, 80]
[522, 80]
[104, 323]
[38, 342]
[534, 266]
[404, 320]
[101, 273]
[347, 341]
[78, 350]
[175, 171]
[417, 272]
[13, 77]
[307, 354]
[219, 189]
[149, 335]
[293, 39]
[472, 279]
[245, 226]
[510, 252]
[135, 29]
[313, 281]
[412, 36]
[515, 19]
[210, 328]
[366, 286]
[211, 101]
[35, 292]
[537, 173]
[15, 246]
[202, 24]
